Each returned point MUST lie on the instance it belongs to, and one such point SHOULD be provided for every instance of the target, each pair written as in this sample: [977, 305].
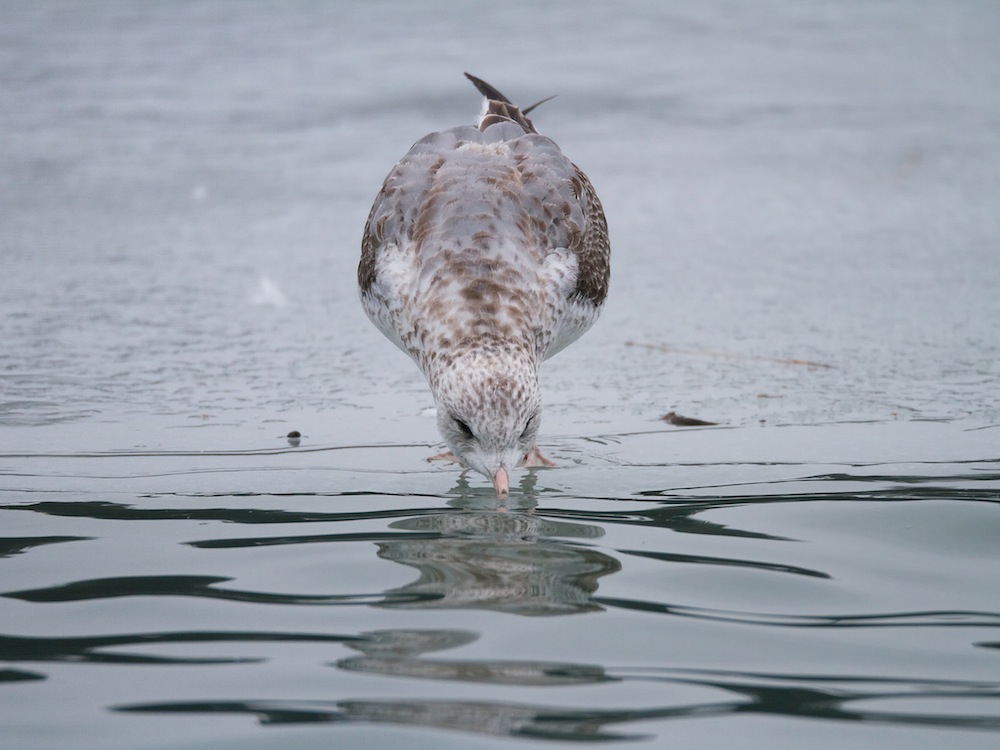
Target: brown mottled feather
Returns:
[593, 248]
[369, 254]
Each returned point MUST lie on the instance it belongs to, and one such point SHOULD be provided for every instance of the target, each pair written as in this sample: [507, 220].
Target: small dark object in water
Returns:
[294, 438]
[294, 434]
[676, 419]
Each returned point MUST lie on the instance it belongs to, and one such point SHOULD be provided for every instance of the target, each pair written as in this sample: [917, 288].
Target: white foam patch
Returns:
[267, 293]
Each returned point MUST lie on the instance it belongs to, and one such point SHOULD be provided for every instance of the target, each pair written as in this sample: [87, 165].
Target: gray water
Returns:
[804, 204]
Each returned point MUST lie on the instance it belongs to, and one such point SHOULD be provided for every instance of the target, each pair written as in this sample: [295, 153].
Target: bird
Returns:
[486, 252]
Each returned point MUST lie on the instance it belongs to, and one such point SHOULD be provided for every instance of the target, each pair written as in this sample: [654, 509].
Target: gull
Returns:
[486, 252]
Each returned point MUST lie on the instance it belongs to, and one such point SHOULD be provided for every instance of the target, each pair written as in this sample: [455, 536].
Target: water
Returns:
[802, 201]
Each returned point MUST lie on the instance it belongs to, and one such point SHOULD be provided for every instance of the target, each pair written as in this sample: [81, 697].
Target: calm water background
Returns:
[804, 202]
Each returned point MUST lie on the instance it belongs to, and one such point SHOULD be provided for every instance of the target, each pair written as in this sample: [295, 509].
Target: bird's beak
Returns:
[501, 483]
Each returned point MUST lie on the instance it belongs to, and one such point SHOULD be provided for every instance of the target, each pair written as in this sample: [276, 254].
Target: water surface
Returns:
[802, 202]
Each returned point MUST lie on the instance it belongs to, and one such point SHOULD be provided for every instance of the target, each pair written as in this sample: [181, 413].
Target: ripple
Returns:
[945, 618]
[16, 545]
[83, 650]
[195, 586]
[824, 698]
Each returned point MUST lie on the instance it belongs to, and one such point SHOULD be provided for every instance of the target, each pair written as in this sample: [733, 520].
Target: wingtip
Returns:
[486, 90]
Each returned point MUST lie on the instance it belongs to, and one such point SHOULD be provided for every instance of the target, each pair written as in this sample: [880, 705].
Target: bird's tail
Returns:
[501, 109]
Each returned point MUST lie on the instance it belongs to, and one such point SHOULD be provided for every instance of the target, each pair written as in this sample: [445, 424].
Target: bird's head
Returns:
[488, 413]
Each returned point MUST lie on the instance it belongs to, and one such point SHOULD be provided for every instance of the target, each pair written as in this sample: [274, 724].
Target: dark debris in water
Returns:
[674, 418]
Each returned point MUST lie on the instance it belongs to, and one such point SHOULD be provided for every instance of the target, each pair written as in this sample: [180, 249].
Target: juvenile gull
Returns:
[485, 253]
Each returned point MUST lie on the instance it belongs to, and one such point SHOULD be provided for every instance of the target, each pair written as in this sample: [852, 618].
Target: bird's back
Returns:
[484, 237]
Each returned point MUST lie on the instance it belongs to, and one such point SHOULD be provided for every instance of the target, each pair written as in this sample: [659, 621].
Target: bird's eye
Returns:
[464, 429]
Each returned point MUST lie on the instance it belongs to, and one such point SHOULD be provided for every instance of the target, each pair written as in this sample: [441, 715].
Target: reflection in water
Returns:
[395, 653]
[510, 558]
[852, 699]
[502, 719]
[499, 559]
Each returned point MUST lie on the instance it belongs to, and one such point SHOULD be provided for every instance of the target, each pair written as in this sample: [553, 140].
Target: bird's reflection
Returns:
[400, 653]
[501, 557]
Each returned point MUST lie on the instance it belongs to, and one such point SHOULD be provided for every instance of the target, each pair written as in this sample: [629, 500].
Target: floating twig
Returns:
[676, 419]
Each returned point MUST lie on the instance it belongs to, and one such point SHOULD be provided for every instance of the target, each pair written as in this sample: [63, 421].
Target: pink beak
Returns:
[501, 483]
